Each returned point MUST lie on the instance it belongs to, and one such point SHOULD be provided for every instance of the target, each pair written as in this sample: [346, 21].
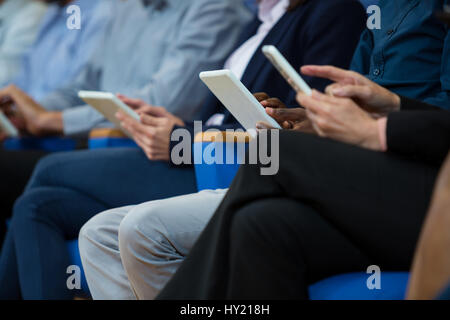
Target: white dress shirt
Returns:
[269, 12]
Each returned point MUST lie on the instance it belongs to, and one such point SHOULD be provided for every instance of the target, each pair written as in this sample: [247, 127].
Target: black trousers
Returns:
[332, 208]
[16, 168]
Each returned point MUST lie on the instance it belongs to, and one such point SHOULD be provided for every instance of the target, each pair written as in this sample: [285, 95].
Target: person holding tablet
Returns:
[59, 52]
[352, 195]
[88, 182]
[56, 57]
[170, 219]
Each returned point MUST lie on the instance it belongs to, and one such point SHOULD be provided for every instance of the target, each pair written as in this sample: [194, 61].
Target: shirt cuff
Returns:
[382, 125]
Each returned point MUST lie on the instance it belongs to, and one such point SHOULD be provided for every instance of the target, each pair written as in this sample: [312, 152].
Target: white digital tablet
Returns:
[108, 105]
[7, 127]
[237, 99]
[286, 70]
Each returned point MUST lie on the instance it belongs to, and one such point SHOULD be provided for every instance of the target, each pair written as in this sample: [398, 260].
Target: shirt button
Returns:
[391, 31]
[376, 72]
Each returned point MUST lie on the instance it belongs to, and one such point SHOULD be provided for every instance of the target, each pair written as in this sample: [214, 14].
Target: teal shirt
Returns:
[410, 54]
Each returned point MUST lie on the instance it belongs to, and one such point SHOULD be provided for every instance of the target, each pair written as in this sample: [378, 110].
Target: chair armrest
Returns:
[219, 176]
[106, 133]
[109, 138]
[223, 136]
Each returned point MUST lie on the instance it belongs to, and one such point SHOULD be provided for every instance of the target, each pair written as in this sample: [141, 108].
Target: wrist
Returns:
[50, 123]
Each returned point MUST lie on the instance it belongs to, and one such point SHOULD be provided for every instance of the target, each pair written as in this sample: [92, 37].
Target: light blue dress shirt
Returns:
[59, 53]
[19, 22]
[156, 54]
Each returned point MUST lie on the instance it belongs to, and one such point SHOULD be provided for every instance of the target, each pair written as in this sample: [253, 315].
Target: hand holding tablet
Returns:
[286, 70]
[108, 105]
[240, 102]
[237, 99]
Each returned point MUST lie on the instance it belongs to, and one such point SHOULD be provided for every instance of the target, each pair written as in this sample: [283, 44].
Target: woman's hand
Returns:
[348, 84]
[153, 132]
[33, 117]
[341, 119]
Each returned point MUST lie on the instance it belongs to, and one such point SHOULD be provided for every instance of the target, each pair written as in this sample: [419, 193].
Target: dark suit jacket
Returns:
[419, 130]
[321, 32]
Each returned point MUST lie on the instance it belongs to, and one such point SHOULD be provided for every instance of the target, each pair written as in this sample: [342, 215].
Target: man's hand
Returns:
[3, 136]
[348, 84]
[341, 119]
[153, 132]
[288, 118]
[291, 118]
[31, 116]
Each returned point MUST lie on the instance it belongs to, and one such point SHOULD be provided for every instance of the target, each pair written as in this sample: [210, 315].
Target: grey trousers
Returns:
[132, 252]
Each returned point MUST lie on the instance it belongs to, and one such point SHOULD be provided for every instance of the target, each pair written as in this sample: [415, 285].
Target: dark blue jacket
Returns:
[410, 53]
[322, 32]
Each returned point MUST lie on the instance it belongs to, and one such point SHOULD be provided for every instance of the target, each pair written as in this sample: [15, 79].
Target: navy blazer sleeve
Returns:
[420, 131]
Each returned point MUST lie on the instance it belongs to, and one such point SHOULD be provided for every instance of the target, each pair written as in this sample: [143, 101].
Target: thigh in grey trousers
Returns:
[132, 252]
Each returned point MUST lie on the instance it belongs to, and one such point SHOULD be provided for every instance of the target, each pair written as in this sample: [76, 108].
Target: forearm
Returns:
[50, 123]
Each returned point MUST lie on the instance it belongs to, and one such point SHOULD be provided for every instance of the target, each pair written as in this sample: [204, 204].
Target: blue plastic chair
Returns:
[352, 286]
[100, 143]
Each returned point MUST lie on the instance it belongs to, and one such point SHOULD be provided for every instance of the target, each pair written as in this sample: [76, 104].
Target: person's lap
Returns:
[99, 250]
[364, 194]
[67, 189]
[114, 177]
[16, 168]
[275, 251]
[153, 237]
